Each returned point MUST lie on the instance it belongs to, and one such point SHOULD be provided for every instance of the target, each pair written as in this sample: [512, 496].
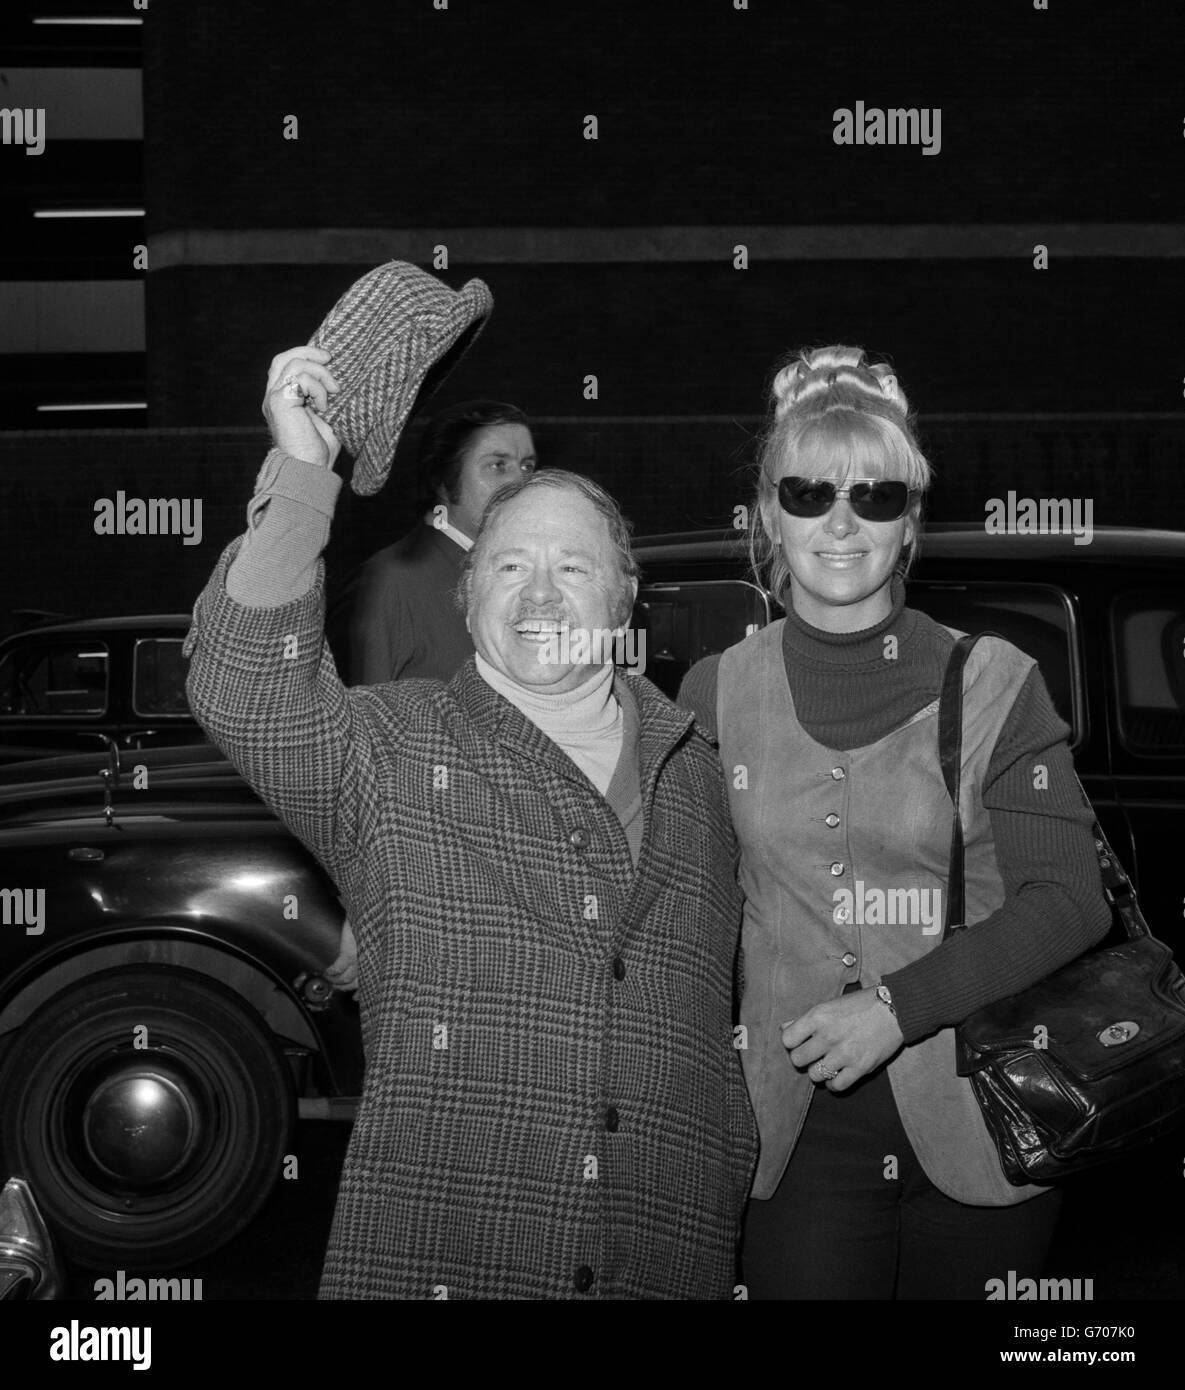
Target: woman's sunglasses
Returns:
[872, 499]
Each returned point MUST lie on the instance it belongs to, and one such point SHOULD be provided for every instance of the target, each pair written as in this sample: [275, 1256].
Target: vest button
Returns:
[832, 820]
[838, 773]
[849, 960]
[837, 869]
[618, 968]
[583, 1279]
[578, 839]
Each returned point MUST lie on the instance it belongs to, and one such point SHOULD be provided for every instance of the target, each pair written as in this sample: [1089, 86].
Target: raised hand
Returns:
[299, 384]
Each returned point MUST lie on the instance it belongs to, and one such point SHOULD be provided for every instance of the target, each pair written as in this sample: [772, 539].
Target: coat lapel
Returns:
[662, 727]
[505, 727]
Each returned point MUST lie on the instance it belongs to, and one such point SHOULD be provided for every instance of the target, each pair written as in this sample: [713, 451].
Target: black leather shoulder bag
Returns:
[1089, 1062]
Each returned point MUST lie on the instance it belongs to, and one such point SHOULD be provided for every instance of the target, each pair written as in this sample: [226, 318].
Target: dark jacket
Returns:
[395, 616]
[553, 1106]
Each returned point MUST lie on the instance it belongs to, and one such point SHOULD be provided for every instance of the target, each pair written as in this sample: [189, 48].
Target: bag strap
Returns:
[1116, 885]
[950, 756]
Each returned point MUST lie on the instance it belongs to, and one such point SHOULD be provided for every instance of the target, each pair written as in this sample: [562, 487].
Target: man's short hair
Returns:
[619, 531]
[446, 436]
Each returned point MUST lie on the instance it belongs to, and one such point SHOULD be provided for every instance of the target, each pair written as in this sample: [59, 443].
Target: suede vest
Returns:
[844, 866]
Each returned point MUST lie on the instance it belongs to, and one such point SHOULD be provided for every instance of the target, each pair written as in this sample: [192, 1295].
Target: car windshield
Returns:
[159, 677]
[54, 679]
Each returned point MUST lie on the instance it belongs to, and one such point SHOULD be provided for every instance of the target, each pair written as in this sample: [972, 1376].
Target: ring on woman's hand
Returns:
[827, 1073]
[291, 384]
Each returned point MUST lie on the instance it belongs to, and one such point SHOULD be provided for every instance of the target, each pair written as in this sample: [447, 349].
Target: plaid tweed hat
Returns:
[393, 330]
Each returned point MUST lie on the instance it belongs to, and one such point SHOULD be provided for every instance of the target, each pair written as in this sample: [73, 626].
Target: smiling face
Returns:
[494, 456]
[840, 565]
[546, 563]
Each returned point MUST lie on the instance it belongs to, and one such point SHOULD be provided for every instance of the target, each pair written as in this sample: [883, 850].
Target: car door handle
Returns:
[87, 854]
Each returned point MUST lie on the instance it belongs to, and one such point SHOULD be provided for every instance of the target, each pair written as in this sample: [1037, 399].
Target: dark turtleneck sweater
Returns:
[847, 696]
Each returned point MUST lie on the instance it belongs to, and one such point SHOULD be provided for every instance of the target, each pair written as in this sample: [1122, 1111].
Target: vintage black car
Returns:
[73, 685]
[163, 1016]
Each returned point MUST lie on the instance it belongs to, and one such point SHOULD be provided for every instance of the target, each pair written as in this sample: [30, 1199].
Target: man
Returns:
[395, 616]
[538, 861]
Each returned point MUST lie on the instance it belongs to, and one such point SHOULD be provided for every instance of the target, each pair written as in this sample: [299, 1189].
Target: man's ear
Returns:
[467, 593]
[628, 606]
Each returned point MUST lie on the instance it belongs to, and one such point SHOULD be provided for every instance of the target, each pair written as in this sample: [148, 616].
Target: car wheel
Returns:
[150, 1111]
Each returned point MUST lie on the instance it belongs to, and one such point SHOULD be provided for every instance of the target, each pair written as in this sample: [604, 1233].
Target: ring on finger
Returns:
[292, 385]
[827, 1073]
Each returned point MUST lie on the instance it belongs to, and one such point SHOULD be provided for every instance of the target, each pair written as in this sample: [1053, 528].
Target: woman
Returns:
[877, 1178]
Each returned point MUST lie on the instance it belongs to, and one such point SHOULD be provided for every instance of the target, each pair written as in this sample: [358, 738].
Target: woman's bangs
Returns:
[849, 444]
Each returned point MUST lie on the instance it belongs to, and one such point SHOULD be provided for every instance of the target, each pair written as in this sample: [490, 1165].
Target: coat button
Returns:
[612, 1119]
[836, 869]
[584, 1279]
[838, 773]
[832, 820]
[849, 959]
[618, 968]
[578, 839]
[842, 914]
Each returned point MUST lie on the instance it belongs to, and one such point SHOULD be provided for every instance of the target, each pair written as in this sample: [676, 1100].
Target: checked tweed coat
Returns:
[553, 1105]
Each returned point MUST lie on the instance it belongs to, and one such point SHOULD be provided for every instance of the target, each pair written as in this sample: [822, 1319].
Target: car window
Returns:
[1148, 631]
[684, 622]
[1037, 618]
[158, 679]
[47, 679]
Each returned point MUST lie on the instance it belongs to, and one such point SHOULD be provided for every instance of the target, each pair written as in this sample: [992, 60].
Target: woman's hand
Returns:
[299, 384]
[844, 1039]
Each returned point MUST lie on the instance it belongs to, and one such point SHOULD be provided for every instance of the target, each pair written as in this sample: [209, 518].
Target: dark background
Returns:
[463, 127]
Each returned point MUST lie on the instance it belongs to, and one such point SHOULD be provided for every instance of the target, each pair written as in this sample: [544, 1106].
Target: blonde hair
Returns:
[834, 414]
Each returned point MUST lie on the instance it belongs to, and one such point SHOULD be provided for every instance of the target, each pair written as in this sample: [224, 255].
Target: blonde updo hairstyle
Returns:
[834, 415]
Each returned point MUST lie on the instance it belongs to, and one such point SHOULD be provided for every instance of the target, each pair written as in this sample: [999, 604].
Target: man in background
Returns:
[395, 617]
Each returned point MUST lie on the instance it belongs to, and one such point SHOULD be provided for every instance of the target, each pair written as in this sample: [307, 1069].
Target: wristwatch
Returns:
[882, 993]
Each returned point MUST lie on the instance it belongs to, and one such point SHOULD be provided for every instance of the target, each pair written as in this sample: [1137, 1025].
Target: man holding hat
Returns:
[539, 864]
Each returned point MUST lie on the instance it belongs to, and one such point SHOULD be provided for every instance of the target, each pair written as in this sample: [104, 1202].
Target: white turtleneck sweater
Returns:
[586, 722]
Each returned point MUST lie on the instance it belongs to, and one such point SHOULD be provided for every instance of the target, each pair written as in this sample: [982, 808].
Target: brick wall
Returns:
[409, 116]
[668, 475]
[416, 118]
[967, 336]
